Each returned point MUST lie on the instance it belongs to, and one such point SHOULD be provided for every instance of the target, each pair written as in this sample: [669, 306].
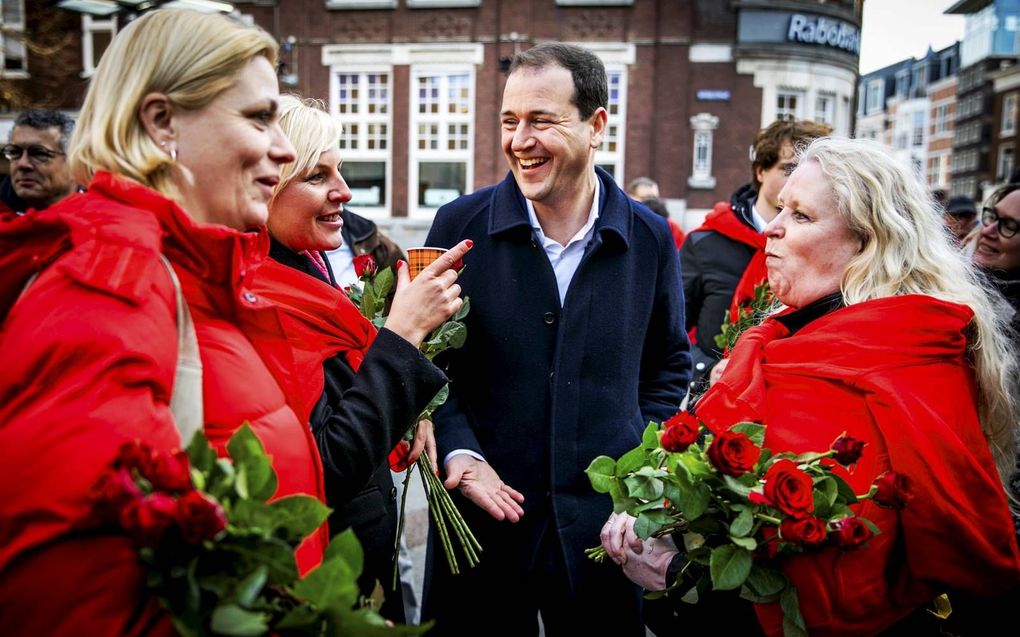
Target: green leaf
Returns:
[256, 478]
[346, 546]
[456, 336]
[696, 467]
[301, 619]
[793, 621]
[601, 473]
[752, 430]
[254, 515]
[200, 453]
[844, 491]
[277, 555]
[250, 587]
[671, 491]
[827, 486]
[333, 584]
[650, 522]
[369, 302]
[644, 486]
[630, 461]
[383, 283]
[650, 437]
[298, 515]
[463, 311]
[694, 501]
[736, 486]
[232, 620]
[748, 543]
[838, 511]
[743, 524]
[729, 566]
[766, 581]
[691, 596]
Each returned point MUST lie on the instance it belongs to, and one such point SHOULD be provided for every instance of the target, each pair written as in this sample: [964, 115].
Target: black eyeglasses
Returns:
[36, 154]
[1007, 227]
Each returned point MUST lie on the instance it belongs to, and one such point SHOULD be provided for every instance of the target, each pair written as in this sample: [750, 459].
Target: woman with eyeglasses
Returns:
[997, 246]
[180, 145]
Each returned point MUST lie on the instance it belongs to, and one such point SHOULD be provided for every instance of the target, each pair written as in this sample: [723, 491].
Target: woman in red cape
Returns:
[888, 335]
[179, 143]
[363, 388]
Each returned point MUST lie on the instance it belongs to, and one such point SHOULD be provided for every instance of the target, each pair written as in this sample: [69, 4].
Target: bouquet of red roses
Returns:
[219, 557]
[739, 507]
[370, 298]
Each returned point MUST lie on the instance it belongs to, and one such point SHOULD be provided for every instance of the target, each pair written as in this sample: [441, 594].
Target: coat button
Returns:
[393, 494]
[700, 367]
[248, 296]
[549, 318]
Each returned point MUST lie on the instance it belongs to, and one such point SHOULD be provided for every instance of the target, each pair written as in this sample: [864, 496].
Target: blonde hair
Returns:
[907, 250]
[188, 56]
[311, 130]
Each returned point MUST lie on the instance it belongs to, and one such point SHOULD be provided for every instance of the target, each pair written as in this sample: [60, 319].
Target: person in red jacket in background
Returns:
[180, 145]
[646, 190]
[722, 261]
[888, 335]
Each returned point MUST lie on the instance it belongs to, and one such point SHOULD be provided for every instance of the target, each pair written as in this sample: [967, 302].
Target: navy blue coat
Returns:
[540, 390]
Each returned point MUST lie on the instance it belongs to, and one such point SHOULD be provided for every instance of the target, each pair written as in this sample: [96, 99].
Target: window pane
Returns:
[440, 182]
[367, 181]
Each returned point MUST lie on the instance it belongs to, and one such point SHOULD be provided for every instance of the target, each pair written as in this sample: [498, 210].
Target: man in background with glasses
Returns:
[37, 151]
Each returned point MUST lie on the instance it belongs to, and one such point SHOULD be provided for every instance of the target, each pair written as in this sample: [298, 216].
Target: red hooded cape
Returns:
[892, 372]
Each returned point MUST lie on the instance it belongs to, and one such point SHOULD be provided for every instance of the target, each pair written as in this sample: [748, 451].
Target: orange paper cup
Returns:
[419, 258]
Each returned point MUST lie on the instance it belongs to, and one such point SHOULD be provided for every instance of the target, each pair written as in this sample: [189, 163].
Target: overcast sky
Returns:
[894, 30]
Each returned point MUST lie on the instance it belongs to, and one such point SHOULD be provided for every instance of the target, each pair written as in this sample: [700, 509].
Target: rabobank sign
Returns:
[824, 31]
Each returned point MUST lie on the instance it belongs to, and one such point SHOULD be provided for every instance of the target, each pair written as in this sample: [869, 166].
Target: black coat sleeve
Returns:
[361, 417]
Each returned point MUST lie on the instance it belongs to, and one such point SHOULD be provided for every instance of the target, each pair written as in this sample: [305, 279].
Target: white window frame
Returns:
[18, 27]
[361, 4]
[943, 118]
[363, 119]
[1007, 120]
[703, 126]
[442, 120]
[1002, 172]
[604, 156]
[784, 94]
[873, 102]
[89, 27]
[825, 111]
[917, 136]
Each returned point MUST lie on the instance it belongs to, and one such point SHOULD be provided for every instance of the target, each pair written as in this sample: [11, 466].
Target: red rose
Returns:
[200, 517]
[848, 449]
[895, 490]
[790, 489]
[134, 454]
[809, 531]
[400, 457]
[850, 533]
[364, 264]
[733, 453]
[147, 519]
[757, 497]
[114, 489]
[681, 432]
[169, 471]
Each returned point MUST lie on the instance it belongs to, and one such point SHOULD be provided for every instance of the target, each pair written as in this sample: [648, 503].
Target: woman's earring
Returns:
[172, 150]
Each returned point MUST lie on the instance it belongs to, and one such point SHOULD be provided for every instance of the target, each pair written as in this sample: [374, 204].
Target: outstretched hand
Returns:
[479, 483]
[421, 305]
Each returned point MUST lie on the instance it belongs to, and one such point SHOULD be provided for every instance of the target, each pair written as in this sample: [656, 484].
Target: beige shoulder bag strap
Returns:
[186, 395]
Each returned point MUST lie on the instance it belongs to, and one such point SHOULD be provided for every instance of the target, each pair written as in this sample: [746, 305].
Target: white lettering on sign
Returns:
[824, 31]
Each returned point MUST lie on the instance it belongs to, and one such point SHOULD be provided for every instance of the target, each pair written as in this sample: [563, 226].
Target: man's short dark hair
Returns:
[768, 143]
[43, 118]
[586, 70]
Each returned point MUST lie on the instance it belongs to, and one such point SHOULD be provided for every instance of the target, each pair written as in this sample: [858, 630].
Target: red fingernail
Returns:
[401, 264]
[470, 243]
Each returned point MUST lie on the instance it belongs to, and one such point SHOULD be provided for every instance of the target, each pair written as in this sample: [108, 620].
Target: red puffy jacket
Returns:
[894, 373]
[88, 357]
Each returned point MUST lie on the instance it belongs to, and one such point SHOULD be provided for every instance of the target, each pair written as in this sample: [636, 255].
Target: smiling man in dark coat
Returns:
[575, 341]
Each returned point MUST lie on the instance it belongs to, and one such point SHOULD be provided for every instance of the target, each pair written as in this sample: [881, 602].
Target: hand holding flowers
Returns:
[737, 507]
